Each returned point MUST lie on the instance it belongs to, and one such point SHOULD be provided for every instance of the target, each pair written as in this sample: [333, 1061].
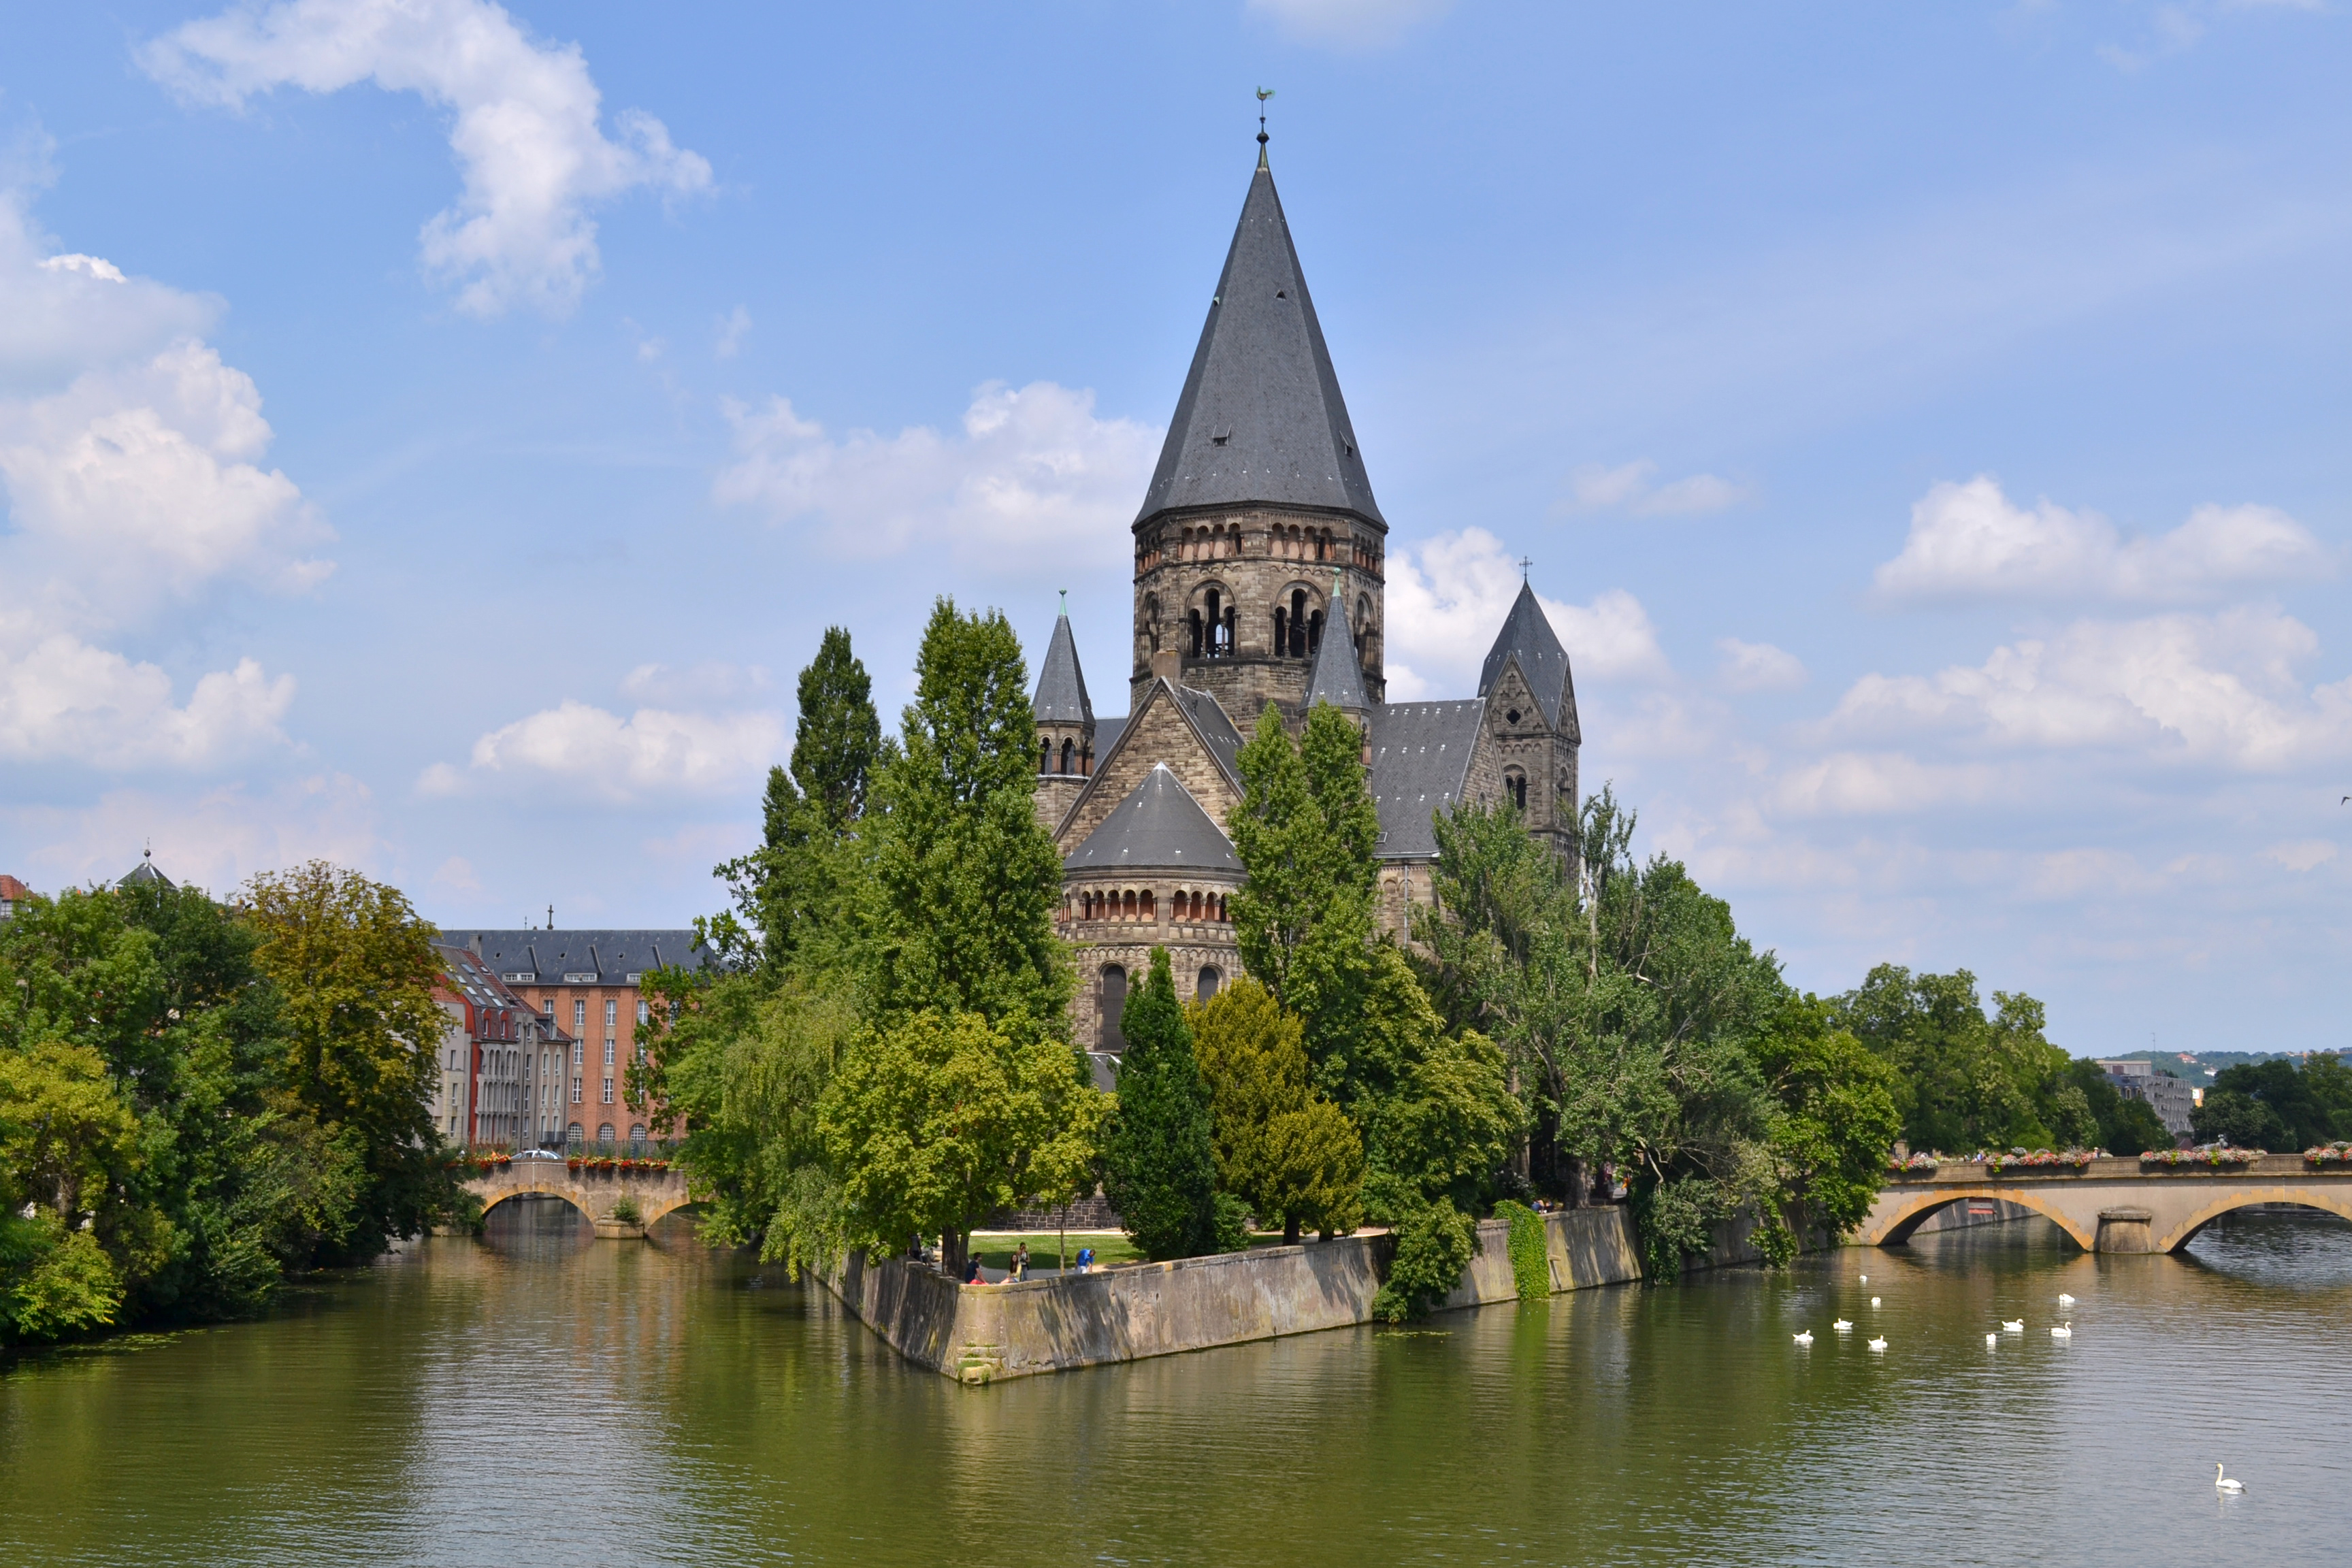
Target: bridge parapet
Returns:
[2110, 1205]
[594, 1193]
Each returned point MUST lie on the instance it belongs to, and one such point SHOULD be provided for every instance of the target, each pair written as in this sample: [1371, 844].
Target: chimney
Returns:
[474, 944]
[1168, 665]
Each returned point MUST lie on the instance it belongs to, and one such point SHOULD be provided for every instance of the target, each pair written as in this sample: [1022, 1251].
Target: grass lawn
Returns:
[995, 1248]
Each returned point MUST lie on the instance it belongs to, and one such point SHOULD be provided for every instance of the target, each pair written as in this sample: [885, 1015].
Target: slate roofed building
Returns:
[499, 1066]
[588, 985]
[1260, 580]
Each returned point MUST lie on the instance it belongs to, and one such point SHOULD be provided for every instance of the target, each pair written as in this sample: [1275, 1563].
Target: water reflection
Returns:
[539, 1393]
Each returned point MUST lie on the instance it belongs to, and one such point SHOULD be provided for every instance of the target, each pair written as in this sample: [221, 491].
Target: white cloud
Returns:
[712, 681]
[2218, 689]
[1757, 666]
[214, 838]
[1969, 541]
[524, 126]
[2301, 855]
[1447, 600]
[1360, 23]
[1035, 478]
[456, 874]
[733, 328]
[62, 699]
[1593, 487]
[129, 459]
[598, 753]
[1850, 783]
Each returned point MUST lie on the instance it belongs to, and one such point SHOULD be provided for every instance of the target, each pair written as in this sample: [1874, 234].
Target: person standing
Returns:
[1021, 1262]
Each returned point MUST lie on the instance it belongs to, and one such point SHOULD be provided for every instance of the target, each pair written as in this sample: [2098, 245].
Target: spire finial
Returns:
[1065, 599]
[1263, 94]
[1525, 561]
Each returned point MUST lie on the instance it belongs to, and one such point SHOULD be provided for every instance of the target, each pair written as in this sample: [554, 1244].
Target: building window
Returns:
[637, 1133]
[1515, 784]
[612, 1013]
[1210, 980]
[1114, 1002]
[604, 1133]
[579, 1052]
[576, 1085]
[608, 1050]
[578, 1015]
[642, 1013]
[608, 1092]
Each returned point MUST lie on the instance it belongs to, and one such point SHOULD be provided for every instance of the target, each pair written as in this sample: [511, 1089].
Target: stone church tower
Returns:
[1259, 579]
[1259, 525]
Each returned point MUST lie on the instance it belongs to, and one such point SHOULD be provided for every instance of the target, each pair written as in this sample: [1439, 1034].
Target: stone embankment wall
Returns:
[981, 1333]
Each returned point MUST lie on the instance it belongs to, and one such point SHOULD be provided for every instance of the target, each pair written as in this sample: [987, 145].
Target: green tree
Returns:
[2121, 1125]
[354, 969]
[1287, 1153]
[1158, 1168]
[936, 1120]
[1964, 1082]
[2276, 1105]
[1836, 1122]
[966, 881]
[1305, 832]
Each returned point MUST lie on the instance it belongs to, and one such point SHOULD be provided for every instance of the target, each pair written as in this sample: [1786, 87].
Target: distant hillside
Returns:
[2199, 1067]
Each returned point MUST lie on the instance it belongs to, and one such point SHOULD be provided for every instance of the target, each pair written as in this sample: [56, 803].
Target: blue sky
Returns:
[433, 436]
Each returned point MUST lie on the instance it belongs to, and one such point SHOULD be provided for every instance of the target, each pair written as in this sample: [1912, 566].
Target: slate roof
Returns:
[144, 872]
[530, 957]
[471, 977]
[1107, 734]
[1420, 762]
[1339, 676]
[1527, 634]
[1158, 828]
[1061, 684]
[1216, 727]
[1261, 417]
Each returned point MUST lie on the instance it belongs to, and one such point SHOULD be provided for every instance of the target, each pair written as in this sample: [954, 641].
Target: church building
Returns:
[1259, 578]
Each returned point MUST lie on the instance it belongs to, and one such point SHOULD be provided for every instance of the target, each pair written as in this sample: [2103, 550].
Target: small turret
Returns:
[1066, 724]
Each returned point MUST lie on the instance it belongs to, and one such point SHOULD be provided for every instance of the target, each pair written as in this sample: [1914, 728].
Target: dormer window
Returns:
[1219, 440]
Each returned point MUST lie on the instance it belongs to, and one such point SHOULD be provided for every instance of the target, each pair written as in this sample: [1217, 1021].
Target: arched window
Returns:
[1216, 624]
[1210, 980]
[1114, 1002]
[574, 1135]
[1196, 904]
[1298, 645]
[1315, 633]
[1192, 620]
[1045, 755]
[604, 1133]
[1229, 641]
[1515, 784]
[1281, 631]
[1151, 906]
[1069, 756]
[637, 1132]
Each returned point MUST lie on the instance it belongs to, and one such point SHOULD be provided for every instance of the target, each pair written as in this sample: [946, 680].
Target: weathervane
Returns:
[1263, 94]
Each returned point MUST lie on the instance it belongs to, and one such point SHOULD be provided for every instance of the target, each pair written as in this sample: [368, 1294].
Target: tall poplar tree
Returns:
[968, 883]
[1160, 1168]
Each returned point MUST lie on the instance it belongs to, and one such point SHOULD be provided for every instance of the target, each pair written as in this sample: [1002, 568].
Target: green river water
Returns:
[541, 1397]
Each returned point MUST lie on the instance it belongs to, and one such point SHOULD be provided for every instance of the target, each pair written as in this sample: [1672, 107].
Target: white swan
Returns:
[1865, 1278]
[2223, 1483]
[1991, 1339]
[2066, 1333]
[1873, 1300]
[1843, 1326]
[2012, 1325]
[1878, 1344]
[1805, 1338]
[2064, 1299]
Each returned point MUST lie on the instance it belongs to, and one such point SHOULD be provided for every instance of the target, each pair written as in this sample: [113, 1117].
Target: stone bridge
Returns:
[593, 1192]
[2112, 1204]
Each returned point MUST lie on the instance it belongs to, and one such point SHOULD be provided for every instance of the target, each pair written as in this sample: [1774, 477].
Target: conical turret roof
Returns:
[1339, 676]
[1158, 828]
[1527, 635]
[1061, 685]
[1261, 419]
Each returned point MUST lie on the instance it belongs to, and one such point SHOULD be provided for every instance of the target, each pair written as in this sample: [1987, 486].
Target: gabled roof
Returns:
[1527, 635]
[1061, 684]
[1216, 730]
[1261, 417]
[1338, 675]
[1158, 828]
[1207, 721]
[1420, 765]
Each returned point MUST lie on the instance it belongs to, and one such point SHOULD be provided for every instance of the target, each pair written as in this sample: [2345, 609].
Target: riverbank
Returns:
[983, 1333]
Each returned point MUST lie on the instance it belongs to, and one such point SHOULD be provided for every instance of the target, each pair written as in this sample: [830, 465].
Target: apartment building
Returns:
[501, 1062]
[11, 893]
[585, 984]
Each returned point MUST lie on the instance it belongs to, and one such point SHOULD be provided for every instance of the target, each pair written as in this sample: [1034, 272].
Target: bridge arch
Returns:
[1897, 1226]
[658, 1196]
[2328, 1200]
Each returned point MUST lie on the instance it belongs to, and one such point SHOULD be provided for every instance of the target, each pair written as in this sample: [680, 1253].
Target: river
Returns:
[541, 1396]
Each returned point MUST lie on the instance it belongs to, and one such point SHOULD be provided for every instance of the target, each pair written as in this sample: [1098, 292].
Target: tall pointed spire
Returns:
[1526, 636]
[1261, 419]
[1339, 676]
[1061, 685]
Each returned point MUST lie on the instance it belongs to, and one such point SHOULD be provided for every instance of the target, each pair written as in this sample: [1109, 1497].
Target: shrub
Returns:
[1530, 1263]
[625, 1210]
